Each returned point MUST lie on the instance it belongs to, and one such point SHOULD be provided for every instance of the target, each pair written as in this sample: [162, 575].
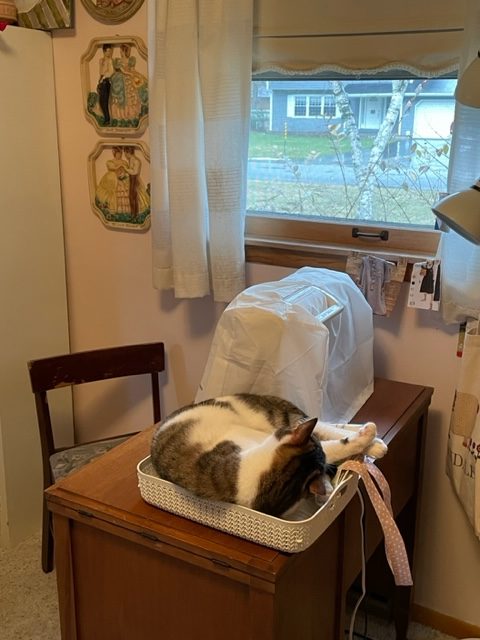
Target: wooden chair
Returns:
[73, 369]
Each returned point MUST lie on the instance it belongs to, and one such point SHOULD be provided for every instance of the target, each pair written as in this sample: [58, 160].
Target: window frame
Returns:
[295, 241]
[291, 241]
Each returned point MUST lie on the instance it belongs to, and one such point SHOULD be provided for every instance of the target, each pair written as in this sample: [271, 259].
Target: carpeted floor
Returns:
[28, 597]
[379, 630]
[28, 601]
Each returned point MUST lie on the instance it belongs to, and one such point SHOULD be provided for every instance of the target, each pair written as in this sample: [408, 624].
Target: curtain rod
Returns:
[365, 33]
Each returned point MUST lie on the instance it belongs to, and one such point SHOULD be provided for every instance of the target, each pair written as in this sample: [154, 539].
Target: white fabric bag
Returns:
[307, 338]
[463, 458]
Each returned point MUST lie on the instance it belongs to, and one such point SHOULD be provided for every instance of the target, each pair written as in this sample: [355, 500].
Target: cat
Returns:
[260, 452]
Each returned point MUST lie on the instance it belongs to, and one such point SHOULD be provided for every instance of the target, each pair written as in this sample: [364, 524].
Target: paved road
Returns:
[329, 171]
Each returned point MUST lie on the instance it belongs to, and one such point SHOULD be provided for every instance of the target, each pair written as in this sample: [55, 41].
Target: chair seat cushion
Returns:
[64, 462]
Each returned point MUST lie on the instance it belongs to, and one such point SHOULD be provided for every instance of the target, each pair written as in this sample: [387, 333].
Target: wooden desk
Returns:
[129, 571]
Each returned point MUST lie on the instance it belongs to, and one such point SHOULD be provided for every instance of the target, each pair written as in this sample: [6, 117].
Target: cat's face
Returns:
[298, 470]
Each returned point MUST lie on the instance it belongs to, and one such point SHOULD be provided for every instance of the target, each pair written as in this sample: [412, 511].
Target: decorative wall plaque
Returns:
[118, 173]
[112, 11]
[115, 87]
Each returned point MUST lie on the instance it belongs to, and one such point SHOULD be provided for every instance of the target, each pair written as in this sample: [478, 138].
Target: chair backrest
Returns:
[90, 366]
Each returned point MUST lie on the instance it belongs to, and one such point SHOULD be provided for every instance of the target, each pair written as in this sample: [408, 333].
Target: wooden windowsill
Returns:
[297, 243]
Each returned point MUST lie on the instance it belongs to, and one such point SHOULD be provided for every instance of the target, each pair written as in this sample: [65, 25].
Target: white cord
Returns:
[364, 590]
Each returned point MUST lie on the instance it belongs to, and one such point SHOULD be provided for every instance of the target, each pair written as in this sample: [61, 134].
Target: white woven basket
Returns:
[285, 535]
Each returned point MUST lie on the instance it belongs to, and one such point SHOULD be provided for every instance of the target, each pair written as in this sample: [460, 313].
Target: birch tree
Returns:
[366, 168]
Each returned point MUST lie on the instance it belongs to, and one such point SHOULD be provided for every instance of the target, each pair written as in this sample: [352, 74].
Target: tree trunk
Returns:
[365, 170]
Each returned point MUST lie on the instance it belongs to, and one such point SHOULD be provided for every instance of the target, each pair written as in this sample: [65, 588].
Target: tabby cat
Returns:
[261, 452]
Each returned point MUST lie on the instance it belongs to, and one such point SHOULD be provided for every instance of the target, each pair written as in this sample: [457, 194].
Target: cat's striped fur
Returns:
[258, 451]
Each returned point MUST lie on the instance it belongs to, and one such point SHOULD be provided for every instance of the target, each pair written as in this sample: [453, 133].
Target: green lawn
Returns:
[396, 206]
[298, 147]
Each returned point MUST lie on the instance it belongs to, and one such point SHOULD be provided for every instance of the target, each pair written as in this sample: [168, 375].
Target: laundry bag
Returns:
[463, 459]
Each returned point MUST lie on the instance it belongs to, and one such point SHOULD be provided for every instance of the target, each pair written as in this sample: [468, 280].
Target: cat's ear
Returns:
[302, 432]
[317, 485]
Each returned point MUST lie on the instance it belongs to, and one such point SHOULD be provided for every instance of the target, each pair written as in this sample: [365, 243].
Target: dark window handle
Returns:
[356, 233]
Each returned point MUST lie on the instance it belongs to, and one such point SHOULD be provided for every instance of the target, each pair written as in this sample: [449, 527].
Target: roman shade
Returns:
[423, 37]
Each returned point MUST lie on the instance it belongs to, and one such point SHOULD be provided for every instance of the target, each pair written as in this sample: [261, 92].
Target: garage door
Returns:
[433, 118]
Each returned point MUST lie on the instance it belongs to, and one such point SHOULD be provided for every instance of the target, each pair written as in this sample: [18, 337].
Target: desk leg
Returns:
[402, 596]
[261, 614]
[341, 589]
[63, 568]
[401, 611]
[407, 522]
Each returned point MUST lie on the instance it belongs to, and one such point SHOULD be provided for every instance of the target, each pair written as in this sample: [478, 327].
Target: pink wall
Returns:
[111, 301]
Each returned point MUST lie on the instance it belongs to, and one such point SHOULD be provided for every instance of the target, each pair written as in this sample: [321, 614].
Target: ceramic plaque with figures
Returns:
[115, 87]
[118, 174]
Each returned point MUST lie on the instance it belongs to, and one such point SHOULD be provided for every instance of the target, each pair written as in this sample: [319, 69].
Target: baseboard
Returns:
[445, 624]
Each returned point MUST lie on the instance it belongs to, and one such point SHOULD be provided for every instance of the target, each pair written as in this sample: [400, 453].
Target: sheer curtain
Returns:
[461, 258]
[200, 65]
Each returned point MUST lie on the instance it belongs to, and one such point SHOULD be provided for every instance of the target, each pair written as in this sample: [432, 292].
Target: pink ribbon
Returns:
[394, 545]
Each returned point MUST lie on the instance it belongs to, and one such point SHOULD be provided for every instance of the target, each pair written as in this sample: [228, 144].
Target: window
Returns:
[329, 106]
[310, 106]
[369, 151]
[300, 103]
[315, 106]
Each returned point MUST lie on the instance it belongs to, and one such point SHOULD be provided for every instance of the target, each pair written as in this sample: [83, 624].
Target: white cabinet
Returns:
[33, 300]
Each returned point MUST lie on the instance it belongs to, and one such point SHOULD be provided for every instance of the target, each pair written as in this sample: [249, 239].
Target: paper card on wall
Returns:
[392, 288]
[425, 285]
[354, 267]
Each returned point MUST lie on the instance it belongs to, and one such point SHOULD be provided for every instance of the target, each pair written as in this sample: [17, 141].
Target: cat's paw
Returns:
[367, 432]
[377, 449]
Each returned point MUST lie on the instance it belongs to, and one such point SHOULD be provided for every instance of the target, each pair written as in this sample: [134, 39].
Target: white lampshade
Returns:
[461, 212]
[468, 87]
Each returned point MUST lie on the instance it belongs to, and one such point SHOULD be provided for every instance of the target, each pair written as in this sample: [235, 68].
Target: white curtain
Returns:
[200, 65]
[460, 298]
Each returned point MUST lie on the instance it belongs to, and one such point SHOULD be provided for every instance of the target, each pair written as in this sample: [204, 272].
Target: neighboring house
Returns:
[309, 107]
